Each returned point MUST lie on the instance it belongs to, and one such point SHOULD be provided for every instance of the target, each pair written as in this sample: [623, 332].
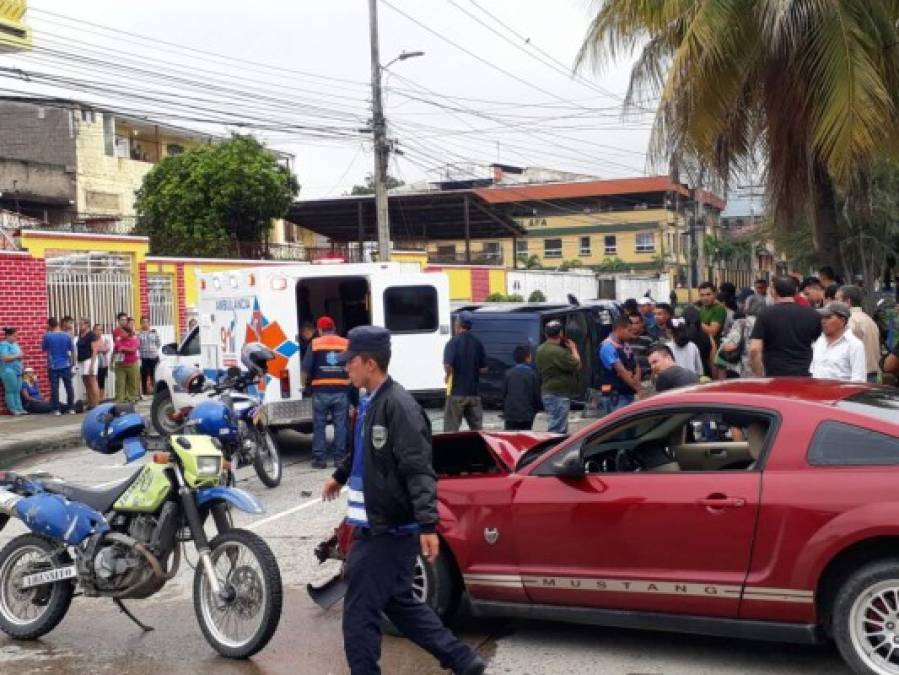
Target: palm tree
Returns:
[811, 86]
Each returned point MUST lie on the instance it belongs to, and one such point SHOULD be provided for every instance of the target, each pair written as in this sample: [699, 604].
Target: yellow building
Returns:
[15, 34]
[66, 162]
[621, 225]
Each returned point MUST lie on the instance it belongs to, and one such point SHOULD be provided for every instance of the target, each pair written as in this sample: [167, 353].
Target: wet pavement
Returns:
[96, 638]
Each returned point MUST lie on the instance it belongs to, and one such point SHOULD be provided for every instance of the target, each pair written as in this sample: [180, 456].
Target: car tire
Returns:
[438, 583]
[865, 609]
[160, 410]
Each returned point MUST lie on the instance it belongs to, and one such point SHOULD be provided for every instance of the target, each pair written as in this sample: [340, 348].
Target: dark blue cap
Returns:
[366, 339]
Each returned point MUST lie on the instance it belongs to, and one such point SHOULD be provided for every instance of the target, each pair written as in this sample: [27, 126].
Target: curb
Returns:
[38, 443]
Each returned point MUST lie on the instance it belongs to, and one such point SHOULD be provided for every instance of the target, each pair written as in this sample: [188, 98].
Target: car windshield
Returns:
[880, 403]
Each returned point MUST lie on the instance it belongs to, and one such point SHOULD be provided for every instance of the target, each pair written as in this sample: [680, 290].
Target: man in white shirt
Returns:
[838, 354]
[863, 327]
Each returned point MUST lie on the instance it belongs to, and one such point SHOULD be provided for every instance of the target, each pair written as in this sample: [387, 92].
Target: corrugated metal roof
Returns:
[507, 194]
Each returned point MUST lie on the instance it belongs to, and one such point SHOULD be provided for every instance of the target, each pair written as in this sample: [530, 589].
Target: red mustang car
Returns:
[763, 509]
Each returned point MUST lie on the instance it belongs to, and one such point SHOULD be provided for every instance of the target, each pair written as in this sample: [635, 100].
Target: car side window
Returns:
[838, 444]
[191, 346]
[681, 441]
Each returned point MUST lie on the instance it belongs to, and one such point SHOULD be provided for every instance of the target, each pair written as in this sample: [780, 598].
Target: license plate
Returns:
[49, 577]
[8, 501]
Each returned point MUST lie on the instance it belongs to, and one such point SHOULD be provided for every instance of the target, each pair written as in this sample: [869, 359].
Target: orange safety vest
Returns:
[329, 374]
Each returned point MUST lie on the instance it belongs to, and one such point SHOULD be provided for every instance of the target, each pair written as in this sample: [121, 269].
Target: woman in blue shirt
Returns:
[11, 371]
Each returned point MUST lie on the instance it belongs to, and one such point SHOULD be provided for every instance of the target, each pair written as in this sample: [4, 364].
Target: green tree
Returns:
[572, 264]
[369, 187]
[813, 86]
[537, 296]
[615, 264]
[207, 200]
[530, 262]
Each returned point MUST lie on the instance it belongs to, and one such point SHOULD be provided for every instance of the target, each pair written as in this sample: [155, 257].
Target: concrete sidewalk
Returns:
[32, 434]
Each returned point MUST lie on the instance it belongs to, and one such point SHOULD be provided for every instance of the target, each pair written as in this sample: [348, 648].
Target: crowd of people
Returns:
[811, 327]
[85, 352]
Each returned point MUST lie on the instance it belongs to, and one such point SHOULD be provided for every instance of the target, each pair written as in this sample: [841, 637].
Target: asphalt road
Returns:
[96, 638]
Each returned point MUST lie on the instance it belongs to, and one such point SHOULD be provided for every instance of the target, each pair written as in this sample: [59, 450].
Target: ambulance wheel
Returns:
[162, 411]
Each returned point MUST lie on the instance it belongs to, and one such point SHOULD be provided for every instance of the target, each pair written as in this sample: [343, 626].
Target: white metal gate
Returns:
[160, 295]
[95, 286]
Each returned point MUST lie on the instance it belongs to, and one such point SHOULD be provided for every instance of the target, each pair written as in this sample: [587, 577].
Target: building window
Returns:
[448, 251]
[610, 244]
[173, 149]
[646, 242]
[411, 309]
[492, 251]
[584, 247]
[552, 248]
[109, 135]
[521, 247]
[87, 116]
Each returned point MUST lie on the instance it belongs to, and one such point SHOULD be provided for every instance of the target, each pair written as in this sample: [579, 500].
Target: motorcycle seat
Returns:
[99, 499]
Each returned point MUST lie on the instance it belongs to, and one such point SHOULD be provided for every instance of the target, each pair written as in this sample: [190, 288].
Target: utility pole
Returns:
[379, 131]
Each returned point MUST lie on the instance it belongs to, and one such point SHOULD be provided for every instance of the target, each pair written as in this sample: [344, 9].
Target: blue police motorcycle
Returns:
[235, 417]
[124, 542]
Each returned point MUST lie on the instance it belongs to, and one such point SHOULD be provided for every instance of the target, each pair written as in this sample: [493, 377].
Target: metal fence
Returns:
[96, 286]
[160, 296]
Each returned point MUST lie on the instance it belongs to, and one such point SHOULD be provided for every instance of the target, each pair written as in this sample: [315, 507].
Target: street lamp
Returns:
[402, 57]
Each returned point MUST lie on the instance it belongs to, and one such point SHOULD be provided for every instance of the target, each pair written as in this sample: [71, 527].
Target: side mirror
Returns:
[569, 466]
[171, 349]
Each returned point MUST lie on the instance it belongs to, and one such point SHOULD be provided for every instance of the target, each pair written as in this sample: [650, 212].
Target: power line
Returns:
[472, 54]
[552, 64]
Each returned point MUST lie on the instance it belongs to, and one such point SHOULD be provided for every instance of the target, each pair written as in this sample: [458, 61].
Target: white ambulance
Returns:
[270, 305]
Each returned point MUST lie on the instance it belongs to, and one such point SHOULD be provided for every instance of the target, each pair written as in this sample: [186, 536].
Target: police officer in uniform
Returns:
[329, 383]
[392, 502]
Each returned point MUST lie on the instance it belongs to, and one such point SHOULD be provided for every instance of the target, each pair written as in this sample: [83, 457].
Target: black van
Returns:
[503, 326]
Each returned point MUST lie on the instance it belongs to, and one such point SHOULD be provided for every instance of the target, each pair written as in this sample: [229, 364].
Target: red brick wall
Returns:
[480, 284]
[23, 304]
[179, 295]
[142, 289]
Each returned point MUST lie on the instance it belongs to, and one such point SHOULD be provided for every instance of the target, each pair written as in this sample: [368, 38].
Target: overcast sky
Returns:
[298, 73]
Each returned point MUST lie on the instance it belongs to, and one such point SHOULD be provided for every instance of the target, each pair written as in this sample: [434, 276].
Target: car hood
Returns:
[509, 446]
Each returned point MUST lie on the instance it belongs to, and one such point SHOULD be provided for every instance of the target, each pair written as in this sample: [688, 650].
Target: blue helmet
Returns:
[106, 427]
[212, 418]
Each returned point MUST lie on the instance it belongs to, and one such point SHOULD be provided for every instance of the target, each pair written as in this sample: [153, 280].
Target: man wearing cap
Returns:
[837, 354]
[647, 308]
[464, 360]
[328, 380]
[392, 503]
[619, 373]
[558, 363]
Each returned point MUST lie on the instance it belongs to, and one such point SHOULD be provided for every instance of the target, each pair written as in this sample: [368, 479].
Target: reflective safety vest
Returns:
[327, 371]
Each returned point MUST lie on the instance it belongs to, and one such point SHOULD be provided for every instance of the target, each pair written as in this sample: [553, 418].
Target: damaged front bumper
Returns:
[332, 591]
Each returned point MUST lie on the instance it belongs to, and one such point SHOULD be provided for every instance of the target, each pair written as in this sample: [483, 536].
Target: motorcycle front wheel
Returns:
[243, 619]
[267, 460]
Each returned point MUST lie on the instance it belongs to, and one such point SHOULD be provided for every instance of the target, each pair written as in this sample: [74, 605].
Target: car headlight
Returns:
[209, 466]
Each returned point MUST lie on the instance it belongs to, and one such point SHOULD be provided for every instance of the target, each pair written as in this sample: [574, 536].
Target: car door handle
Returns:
[722, 502]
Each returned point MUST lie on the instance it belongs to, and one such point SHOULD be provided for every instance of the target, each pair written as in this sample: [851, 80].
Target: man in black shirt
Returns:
[666, 373]
[521, 392]
[463, 360]
[781, 341]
